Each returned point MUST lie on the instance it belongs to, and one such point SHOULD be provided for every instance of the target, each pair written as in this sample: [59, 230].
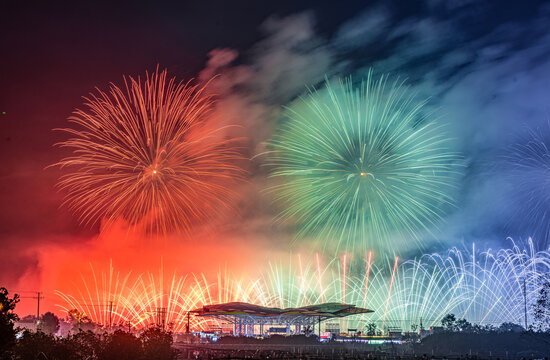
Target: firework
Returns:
[361, 165]
[143, 153]
[139, 301]
[486, 288]
[529, 173]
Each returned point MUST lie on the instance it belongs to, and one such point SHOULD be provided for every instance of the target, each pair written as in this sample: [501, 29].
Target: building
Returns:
[246, 317]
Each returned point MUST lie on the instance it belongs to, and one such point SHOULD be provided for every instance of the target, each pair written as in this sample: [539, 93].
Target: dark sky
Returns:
[53, 53]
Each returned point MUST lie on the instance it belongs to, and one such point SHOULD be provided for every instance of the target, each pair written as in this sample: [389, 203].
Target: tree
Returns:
[153, 344]
[449, 322]
[49, 323]
[157, 344]
[39, 345]
[371, 328]
[28, 319]
[7, 319]
[510, 327]
[80, 321]
[121, 345]
[541, 308]
[463, 325]
[85, 345]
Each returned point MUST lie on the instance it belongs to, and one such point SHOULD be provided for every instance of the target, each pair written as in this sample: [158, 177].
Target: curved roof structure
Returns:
[327, 310]
[245, 316]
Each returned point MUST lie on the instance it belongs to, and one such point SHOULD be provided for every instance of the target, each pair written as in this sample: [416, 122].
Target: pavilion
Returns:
[245, 317]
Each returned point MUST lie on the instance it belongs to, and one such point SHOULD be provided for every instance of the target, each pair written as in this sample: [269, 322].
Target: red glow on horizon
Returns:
[62, 267]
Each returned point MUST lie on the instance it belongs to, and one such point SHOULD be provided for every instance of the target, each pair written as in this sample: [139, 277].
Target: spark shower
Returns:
[486, 288]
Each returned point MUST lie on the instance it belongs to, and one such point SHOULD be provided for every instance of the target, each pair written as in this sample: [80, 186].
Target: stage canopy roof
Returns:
[325, 311]
[245, 316]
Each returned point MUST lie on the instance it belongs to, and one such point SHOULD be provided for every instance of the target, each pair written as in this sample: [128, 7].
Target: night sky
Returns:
[485, 64]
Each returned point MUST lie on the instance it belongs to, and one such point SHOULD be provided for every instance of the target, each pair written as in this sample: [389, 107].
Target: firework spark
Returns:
[529, 165]
[486, 288]
[362, 165]
[136, 300]
[143, 153]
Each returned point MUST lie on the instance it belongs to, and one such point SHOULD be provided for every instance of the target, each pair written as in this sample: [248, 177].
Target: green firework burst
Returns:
[363, 165]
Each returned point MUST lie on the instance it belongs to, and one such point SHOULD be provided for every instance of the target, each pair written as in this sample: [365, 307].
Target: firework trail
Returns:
[137, 298]
[486, 288]
[362, 165]
[143, 153]
[529, 173]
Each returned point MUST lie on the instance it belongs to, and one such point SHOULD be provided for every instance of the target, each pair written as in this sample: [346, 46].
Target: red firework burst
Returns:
[144, 153]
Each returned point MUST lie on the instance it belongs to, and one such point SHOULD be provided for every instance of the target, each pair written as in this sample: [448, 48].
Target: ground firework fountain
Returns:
[486, 288]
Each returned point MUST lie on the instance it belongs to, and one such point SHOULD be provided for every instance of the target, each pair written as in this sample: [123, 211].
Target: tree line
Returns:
[80, 344]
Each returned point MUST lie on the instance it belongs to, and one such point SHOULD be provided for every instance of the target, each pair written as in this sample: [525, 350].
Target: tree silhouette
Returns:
[157, 344]
[371, 328]
[7, 318]
[510, 327]
[49, 323]
[541, 308]
[449, 322]
[121, 345]
[80, 321]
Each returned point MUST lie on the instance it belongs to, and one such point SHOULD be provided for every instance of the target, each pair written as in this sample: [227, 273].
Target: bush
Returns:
[49, 323]
[153, 344]
[39, 345]
[157, 345]
[121, 345]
